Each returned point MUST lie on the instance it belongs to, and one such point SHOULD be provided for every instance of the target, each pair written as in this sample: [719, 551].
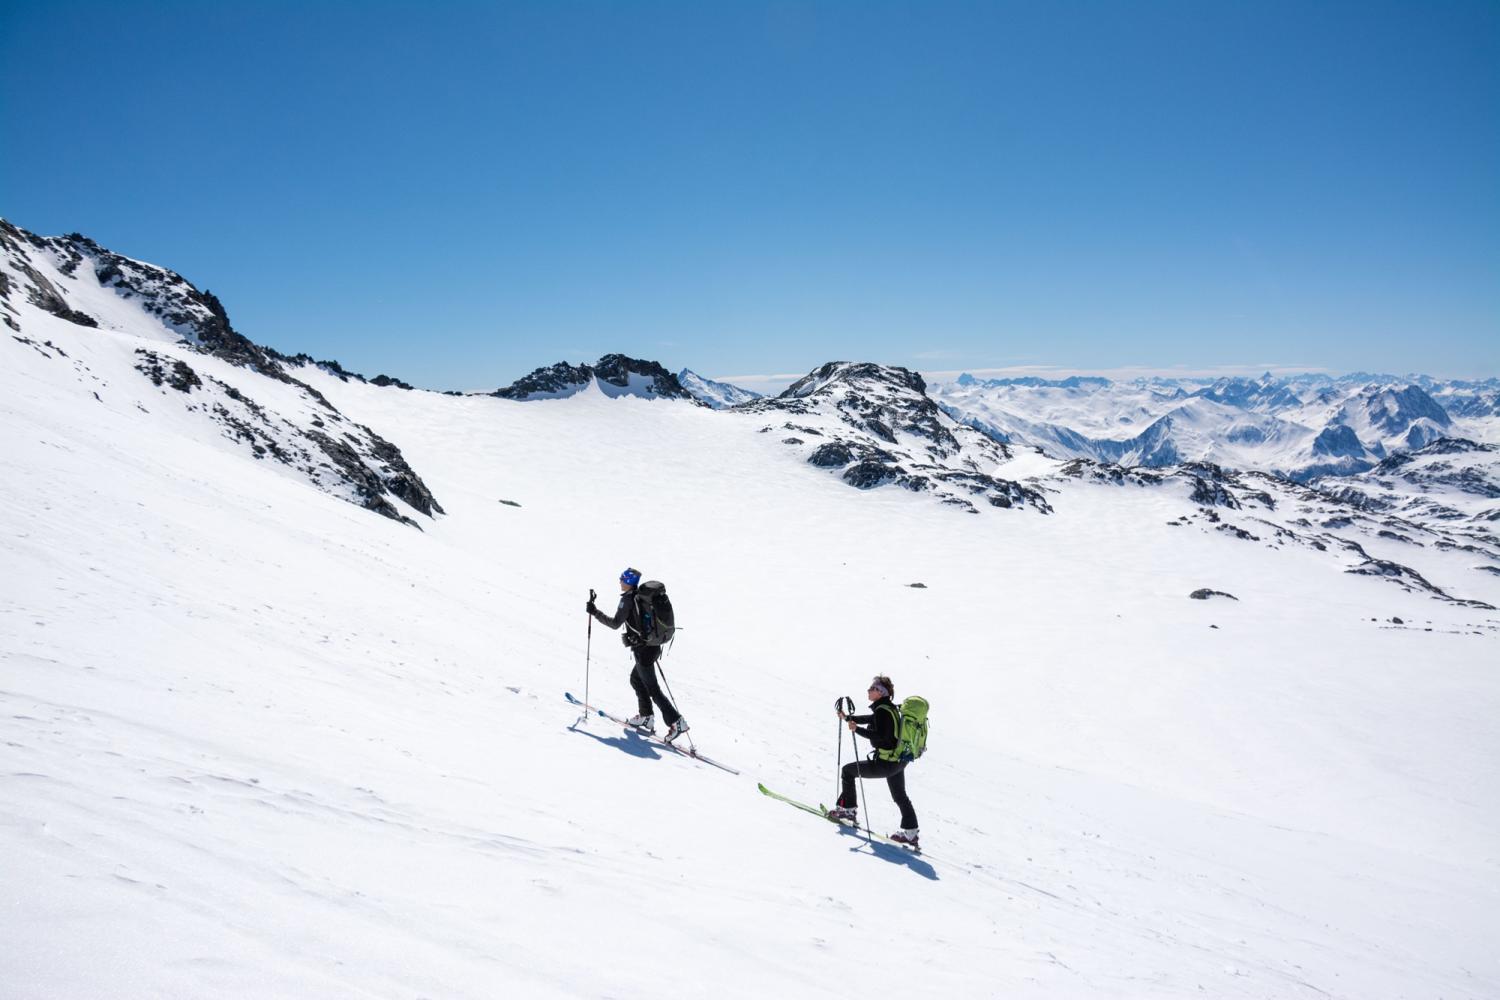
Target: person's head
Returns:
[881, 687]
[629, 578]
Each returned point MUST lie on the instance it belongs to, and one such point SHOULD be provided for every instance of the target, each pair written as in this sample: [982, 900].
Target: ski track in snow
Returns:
[258, 742]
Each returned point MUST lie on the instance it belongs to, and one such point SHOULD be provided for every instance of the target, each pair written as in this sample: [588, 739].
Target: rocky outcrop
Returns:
[875, 426]
[616, 373]
[336, 454]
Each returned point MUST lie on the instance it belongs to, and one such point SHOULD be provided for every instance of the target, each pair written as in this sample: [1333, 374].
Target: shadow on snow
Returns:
[890, 852]
[627, 742]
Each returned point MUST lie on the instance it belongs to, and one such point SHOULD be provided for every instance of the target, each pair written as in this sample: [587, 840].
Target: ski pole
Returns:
[838, 768]
[588, 651]
[673, 698]
[863, 795]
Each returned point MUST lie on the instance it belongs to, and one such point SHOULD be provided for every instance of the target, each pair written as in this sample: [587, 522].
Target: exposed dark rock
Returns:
[176, 373]
[1204, 594]
[367, 484]
[1397, 537]
[1238, 532]
[1115, 475]
[385, 380]
[1211, 484]
[869, 474]
[1411, 580]
[917, 586]
[398, 477]
[833, 455]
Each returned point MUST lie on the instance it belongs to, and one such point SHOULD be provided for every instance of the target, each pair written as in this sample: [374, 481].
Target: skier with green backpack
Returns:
[898, 735]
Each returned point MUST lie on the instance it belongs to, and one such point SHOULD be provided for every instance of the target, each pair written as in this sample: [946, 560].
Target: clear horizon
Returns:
[452, 194]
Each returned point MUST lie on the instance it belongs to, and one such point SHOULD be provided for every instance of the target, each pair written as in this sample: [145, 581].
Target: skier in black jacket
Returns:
[881, 728]
[643, 677]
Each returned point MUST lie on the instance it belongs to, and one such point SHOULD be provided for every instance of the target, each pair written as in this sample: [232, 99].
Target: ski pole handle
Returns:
[592, 595]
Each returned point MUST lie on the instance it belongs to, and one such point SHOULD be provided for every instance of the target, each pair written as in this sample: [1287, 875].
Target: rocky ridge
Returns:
[874, 425]
[73, 279]
[616, 374]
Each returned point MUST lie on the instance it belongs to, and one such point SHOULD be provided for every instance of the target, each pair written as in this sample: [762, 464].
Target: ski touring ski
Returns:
[689, 752]
[821, 810]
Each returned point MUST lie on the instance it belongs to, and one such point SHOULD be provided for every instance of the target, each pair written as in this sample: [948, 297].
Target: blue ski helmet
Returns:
[630, 577]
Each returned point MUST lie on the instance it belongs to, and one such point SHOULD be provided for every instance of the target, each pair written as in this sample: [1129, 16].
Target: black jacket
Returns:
[627, 614]
[883, 735]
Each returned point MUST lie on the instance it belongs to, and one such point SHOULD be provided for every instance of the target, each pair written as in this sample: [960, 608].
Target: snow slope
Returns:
[260, 743]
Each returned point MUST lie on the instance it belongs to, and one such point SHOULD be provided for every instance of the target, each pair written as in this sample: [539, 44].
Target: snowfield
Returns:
[260, 742]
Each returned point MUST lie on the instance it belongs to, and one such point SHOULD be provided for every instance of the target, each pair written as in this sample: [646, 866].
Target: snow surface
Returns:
[258, 742]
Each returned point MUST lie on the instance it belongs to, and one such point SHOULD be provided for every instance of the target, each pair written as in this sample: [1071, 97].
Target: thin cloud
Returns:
[763, 384]
[1128, 372]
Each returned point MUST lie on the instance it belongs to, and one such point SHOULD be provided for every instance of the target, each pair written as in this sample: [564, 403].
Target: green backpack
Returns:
[911, 729]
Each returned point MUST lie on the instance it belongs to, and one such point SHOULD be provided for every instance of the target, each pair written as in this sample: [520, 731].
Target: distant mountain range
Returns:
[719, 395]
[1302, 427]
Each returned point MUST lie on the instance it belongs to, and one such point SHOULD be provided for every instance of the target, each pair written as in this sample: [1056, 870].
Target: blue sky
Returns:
[458, 193]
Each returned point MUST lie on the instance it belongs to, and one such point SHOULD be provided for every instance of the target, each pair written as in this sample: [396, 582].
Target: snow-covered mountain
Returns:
[875, 425]
[1196, 732]
[1451, 480]
[719, 395]
[168, 349]
[1302, 427]
[613, 375]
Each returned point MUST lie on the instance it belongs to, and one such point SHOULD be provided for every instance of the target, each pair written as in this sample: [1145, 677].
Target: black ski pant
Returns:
[648, 687]
[894, 773]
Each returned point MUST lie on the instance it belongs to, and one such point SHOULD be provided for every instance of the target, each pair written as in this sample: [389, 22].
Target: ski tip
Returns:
[763, 789]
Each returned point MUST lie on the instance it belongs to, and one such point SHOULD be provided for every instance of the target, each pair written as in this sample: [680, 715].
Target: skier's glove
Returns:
[590, 608]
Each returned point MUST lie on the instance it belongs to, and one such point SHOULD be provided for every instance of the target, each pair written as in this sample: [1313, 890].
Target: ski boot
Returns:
[844, 814]
[642, 724]
[907, 838]
[676, 729]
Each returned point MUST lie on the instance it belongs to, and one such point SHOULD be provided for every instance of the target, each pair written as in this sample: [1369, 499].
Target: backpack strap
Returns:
[895, 752]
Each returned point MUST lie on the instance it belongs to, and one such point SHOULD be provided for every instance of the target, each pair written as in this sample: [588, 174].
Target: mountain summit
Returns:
[616, 374]
[875, 425]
